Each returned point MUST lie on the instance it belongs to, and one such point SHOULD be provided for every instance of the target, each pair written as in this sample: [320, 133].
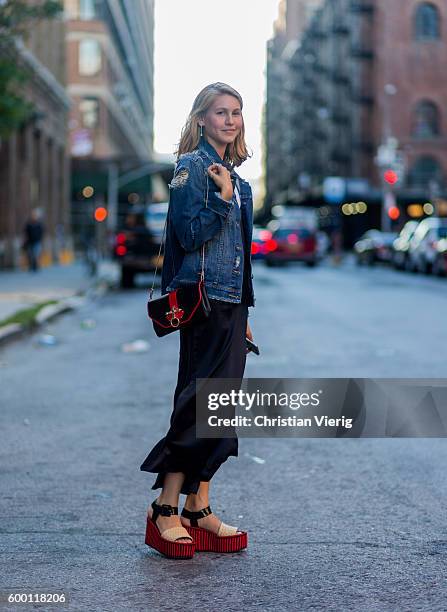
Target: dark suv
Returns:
[137, 244]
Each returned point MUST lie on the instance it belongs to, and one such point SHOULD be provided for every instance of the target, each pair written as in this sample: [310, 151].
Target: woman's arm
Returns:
[193, 223]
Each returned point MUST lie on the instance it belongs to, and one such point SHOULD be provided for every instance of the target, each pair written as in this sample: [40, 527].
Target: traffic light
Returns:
[390, 177]
[393, 213]
[100, 213]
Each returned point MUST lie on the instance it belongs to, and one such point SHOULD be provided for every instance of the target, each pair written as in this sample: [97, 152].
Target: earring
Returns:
[201, 130]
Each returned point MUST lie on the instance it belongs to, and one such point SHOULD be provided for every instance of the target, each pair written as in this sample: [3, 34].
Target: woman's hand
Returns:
[222, 178]
[248, 332]
[249, 335]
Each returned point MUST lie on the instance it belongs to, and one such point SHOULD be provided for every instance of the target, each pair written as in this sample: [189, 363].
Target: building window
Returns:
[87, 9]
[71, 9]
[89, 57]
[424, 171]
[89, 111]
[427, 22]
[426, 120]
[81, 9]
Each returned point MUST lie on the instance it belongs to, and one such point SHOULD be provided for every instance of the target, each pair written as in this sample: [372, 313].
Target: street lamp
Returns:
[390, 91]
[390, 162]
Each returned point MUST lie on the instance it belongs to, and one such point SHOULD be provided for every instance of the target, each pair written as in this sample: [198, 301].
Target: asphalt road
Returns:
[334, 524]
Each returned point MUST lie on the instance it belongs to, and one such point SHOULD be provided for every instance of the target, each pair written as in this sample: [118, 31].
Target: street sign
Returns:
[334, 189]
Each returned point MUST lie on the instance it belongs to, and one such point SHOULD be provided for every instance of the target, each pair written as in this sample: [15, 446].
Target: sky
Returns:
[198, 42]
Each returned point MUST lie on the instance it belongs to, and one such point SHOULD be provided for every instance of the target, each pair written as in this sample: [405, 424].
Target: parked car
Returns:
[260, 242]
[292, 244]
[402, 244]
[298, 216]
[137, 243]
[155, 219]
[423, 249]
[374, 246]
[439, 266]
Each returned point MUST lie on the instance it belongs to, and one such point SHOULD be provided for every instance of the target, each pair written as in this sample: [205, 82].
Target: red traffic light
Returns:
[100, 214]
[390, 177]
[394, 213]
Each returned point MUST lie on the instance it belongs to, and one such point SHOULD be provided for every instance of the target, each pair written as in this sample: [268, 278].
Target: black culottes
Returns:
[214, 348]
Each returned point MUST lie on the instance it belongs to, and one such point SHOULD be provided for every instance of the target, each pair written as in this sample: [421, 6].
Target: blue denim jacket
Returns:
[190, 224]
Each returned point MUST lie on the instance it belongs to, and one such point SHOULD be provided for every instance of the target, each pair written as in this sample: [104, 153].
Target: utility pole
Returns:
[112, 196]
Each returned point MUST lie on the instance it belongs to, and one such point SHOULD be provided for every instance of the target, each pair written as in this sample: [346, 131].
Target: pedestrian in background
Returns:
[32, 245]
[212, 144]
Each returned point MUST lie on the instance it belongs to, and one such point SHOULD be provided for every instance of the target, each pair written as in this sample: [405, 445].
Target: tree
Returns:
[16, 18]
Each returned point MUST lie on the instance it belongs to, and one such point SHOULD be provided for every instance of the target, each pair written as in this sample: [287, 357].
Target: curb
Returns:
[49, 312]
[10, 331]
[15, 331]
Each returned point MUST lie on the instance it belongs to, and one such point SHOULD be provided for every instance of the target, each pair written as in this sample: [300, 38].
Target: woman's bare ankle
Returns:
[171, 501]
[195, 502]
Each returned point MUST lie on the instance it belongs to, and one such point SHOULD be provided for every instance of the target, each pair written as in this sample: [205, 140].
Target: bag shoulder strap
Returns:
[202, 273]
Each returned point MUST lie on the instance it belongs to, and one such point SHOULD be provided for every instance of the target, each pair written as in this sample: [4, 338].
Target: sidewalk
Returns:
[21, 289]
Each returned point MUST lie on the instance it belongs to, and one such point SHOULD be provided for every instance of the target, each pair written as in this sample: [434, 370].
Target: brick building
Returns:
[293, 16]
[110, 83]
[411, 55]
[34, 169]
[366, 74]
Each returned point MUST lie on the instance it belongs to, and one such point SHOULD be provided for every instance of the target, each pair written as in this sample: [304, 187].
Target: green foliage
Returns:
[27, 316]
[16, 19]
[17, 15]
[14, 110]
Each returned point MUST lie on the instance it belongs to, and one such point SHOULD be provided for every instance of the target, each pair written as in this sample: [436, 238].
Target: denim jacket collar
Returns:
[213, 155]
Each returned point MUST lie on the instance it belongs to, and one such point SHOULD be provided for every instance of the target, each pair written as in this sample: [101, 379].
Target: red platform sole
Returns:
[172, 550]
[206, 541]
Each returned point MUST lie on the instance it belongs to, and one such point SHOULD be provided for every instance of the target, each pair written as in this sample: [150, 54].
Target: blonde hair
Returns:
[236, 152]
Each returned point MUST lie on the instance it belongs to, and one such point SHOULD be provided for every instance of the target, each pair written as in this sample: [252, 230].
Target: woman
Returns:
[209, 204]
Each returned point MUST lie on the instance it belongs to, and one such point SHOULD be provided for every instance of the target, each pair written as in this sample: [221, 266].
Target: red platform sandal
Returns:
[227, 539]
[165, 542]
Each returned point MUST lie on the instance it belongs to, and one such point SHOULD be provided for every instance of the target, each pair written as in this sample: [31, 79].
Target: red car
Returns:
[260, 240]
[292, 244]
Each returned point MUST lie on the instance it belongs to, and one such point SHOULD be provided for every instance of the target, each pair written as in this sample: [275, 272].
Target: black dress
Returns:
[213, 348]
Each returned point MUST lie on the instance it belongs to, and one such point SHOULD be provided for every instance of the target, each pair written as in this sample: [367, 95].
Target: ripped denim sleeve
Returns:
[179, 179]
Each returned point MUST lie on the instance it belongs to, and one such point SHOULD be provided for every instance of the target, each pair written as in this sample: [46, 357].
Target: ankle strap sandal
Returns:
[166, 542]
[195, 516]
[227, 539]
[162, 510]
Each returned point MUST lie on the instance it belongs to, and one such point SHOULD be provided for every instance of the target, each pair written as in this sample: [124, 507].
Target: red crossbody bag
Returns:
[183, 307]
